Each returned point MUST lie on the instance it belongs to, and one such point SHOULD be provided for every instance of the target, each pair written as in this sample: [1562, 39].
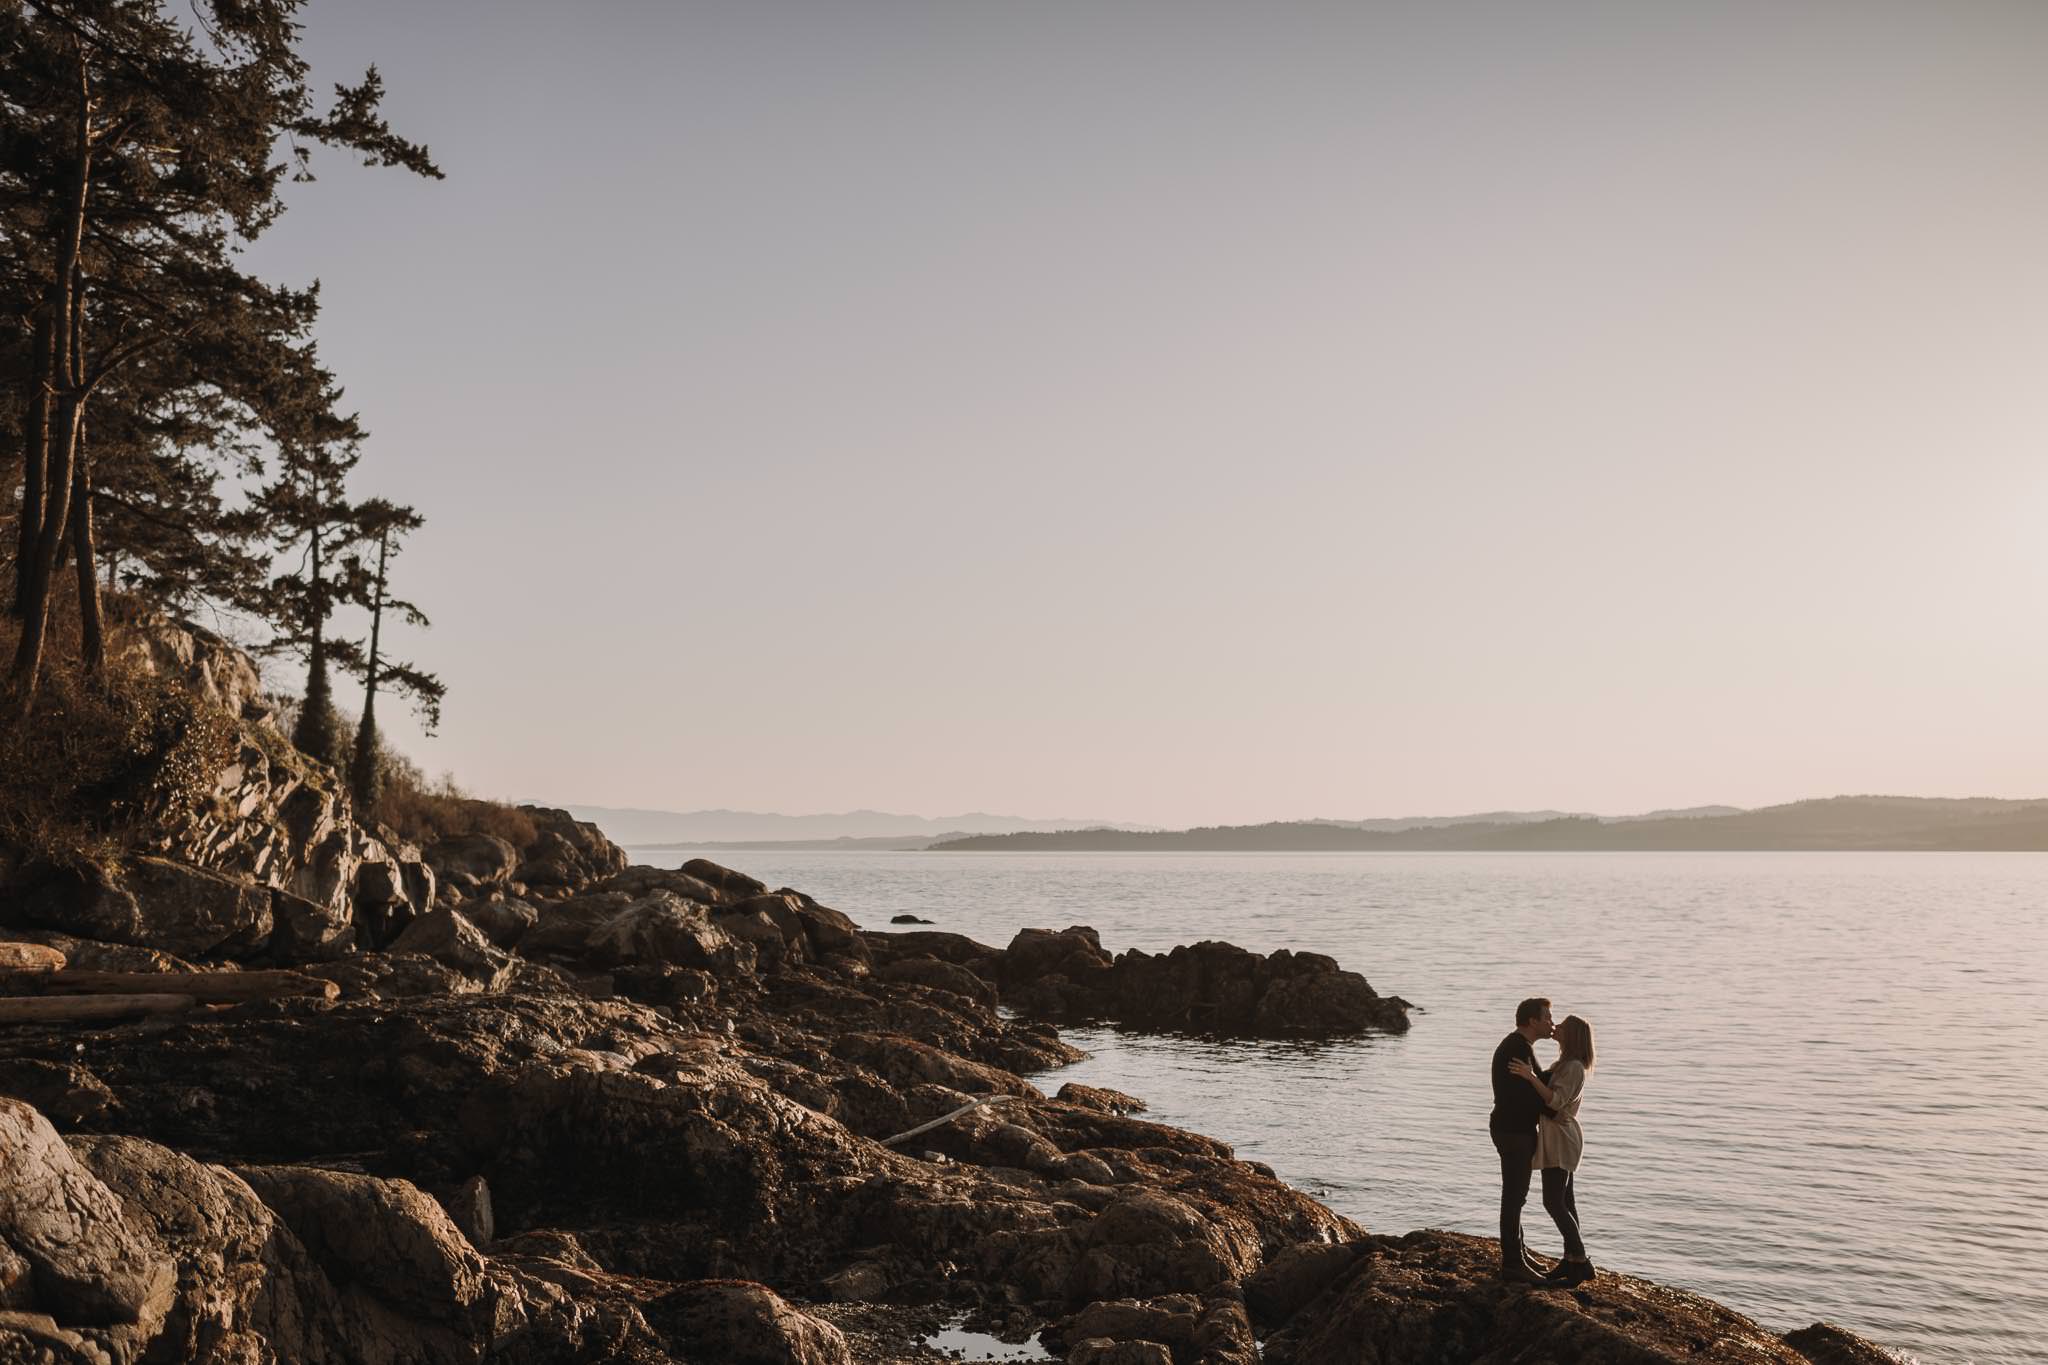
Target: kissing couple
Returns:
[1535, 1127]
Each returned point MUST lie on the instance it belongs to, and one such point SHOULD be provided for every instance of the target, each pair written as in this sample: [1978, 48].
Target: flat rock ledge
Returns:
[565, 1109]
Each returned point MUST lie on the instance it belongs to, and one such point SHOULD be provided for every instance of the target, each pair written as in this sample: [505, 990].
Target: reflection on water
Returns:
[1818, 1093]
[957, 1341]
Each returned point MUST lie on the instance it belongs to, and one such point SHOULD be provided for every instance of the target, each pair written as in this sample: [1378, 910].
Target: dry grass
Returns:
[100, 765]
[421, 811]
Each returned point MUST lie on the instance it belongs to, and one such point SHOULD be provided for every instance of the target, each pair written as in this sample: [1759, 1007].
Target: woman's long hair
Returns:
[1575, 1038]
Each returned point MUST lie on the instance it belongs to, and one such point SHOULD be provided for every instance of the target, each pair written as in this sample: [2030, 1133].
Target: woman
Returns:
[1559, 1140]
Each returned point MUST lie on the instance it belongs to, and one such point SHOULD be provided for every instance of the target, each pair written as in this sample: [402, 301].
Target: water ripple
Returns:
[1818, 1094]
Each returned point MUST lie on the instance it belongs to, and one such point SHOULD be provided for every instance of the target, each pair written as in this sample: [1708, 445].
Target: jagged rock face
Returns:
[283, 820]
[568, 855]
[204, 662]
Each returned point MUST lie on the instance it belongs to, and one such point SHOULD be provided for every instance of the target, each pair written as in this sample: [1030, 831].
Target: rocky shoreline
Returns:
[532, 1104]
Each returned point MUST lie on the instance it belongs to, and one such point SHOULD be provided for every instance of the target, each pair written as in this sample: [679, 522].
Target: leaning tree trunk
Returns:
[66, 313]
[28, 655]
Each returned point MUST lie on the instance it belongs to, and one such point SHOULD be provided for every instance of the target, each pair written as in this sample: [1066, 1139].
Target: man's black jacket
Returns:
[1516, 1105]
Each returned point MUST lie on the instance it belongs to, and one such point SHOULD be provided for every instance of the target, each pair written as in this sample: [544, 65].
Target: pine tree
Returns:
[305, 514]
[136, 152]
[366, 774]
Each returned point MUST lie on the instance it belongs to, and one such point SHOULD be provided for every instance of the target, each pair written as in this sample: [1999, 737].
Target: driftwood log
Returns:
[79, 1009]
[945, 1119]
[214, 988]
[28, 957]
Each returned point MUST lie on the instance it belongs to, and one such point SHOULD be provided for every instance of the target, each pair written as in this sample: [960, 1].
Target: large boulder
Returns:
[246, 1290]
[1149, 1242]
[1307, 993]
[958, 949]
[1823, 1343]
[1435, 1296]
[568, 854]
[742, 1323]
[1170, 1318]
[308, 931]
[1074, 953]
[731, 886]
[662, 927]
[450, 939]
[563, 929]
[941, 976]
[386, 1238]
[392, 976]
[1296, 1277]
[88, 1264]
[155, 903]
[390, 892]
[503, 919]
[639, 879]
[472, 863]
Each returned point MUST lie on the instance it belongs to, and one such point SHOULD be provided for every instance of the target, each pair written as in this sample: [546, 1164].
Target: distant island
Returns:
[1866, 823]
[638, 828]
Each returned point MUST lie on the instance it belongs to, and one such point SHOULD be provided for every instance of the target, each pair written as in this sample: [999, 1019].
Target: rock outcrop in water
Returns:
[1065, 976]
[567, 1109]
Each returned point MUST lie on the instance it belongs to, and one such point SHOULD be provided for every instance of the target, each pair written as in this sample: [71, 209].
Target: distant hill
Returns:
[1493, 817]
[881, 843]
[1837, 823]
[704, 828]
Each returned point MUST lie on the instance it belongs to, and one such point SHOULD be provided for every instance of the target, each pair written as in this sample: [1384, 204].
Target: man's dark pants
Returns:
[1517, 1150]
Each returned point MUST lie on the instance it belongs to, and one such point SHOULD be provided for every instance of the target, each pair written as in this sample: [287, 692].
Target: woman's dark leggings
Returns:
[1563, 1209]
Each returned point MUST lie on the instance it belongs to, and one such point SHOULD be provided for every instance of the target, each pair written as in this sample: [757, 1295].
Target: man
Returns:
[1516, 1107]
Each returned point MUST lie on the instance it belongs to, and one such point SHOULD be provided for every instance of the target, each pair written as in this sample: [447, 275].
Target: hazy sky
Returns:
[1187, 413]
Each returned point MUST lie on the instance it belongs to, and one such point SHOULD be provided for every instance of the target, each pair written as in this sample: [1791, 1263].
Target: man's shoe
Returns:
[1514, 1272]
[1570, 1273]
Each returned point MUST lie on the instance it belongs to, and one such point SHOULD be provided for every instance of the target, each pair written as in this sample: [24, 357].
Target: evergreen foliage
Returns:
[105, 759]
[146, 380]
[317, 732]
[366, 761]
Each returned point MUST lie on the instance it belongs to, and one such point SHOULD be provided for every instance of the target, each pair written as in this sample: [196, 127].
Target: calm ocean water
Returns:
[1823, 1078]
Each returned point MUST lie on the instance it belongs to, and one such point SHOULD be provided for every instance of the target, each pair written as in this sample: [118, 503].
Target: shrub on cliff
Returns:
[421, 810]
[100, 763]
